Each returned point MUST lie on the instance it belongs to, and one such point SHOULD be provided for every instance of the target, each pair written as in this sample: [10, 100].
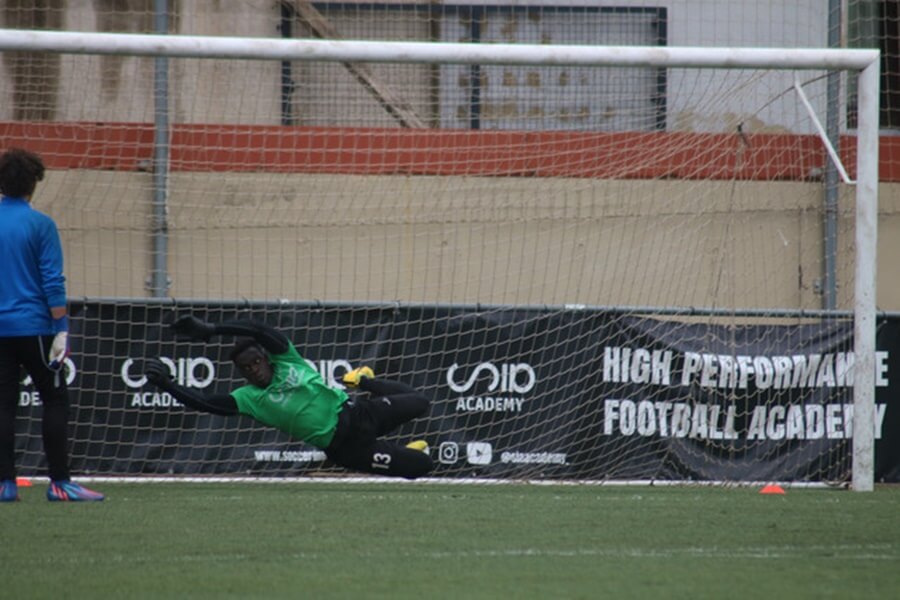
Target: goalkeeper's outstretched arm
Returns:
[218, 404]
[269, 338]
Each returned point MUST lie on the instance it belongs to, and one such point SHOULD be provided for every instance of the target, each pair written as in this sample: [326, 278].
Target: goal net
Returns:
[601, 263]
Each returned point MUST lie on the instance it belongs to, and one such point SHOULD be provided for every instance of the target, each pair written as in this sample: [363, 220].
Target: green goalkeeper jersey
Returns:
[297, 402]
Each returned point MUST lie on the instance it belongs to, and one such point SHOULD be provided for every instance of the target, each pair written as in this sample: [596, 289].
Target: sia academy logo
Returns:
[200, 372]
[490, 387]
[195, 373]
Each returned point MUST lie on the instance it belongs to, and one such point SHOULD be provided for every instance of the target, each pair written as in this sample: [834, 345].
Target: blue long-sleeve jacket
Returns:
[31, 270]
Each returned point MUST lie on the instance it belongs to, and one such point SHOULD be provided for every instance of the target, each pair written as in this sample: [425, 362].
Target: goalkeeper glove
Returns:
[194, 328]
[352, 378]
[157, 372]
[59, 350]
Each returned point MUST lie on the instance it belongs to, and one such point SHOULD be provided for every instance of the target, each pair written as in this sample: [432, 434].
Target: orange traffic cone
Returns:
[772, 489]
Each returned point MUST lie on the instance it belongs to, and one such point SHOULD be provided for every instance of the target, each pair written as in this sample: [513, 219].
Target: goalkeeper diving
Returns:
[285, 392]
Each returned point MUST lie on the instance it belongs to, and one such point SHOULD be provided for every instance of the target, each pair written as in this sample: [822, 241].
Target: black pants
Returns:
[356, 444]
[31, 353]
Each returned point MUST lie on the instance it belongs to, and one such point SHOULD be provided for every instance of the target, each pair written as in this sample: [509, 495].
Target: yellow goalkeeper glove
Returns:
[352, 378]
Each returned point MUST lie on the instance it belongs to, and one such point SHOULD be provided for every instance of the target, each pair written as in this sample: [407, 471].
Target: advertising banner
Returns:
[555, 394]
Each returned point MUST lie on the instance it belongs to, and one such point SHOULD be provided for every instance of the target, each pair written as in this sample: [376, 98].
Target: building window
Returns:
[475, 96]
[876, 24]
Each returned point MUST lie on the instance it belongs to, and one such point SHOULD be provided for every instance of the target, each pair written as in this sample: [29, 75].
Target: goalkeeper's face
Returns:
[254, 365]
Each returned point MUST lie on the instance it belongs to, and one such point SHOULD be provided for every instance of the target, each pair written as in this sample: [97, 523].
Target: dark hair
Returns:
[20, 170]
[241, 345]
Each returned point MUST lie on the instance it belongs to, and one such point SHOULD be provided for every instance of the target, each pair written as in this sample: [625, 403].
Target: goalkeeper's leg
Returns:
[393, 404]
[9, 397]
[51, 385]
[382, 458]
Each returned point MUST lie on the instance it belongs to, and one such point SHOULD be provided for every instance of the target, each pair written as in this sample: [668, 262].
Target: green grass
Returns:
[425, 541]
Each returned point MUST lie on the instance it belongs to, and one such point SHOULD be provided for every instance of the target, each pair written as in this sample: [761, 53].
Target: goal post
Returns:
[433, 52]
[865, 63]
[866, 259]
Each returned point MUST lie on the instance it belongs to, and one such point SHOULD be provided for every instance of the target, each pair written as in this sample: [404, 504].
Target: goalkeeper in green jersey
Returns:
[286, 393]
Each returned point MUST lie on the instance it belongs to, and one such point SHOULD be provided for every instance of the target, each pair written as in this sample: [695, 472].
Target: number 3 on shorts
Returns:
[380, 460]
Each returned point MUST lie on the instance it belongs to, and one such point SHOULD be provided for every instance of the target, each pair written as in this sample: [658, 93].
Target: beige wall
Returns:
[463, 240]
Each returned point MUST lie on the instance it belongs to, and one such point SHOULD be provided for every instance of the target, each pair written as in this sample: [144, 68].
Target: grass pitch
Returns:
[428, 541]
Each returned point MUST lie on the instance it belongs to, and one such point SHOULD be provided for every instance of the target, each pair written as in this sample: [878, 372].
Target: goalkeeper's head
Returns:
[253, 362]
[20, 171]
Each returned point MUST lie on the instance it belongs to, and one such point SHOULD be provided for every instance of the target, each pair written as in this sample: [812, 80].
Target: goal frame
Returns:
[865, 62]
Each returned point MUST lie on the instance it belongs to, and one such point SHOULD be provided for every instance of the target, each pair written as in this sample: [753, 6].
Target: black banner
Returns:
[571, 394]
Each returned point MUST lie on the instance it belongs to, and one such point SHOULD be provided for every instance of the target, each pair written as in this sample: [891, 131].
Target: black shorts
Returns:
[362, 421]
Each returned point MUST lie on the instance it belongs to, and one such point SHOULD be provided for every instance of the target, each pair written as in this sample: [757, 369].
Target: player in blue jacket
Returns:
[33, 326]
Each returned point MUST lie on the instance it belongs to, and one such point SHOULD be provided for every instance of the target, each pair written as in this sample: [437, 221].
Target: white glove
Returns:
[59, 350]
